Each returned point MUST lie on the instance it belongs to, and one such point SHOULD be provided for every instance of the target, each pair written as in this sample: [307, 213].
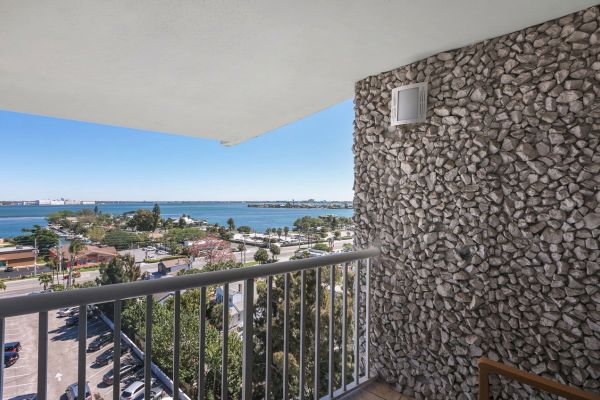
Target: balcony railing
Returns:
[351, 270]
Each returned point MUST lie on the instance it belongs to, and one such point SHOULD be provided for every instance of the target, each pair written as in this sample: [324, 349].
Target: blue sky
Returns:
[45, 157]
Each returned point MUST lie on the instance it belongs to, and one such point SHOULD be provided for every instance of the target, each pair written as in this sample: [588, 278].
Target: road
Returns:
[26, 286]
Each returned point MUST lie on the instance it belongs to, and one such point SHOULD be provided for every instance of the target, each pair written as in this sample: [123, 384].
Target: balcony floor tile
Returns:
[377, 391]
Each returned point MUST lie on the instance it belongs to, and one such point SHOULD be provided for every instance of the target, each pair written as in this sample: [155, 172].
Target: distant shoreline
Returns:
[253, 203]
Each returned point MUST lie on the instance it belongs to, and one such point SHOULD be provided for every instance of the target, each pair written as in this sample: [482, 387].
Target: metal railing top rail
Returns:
[28, 304]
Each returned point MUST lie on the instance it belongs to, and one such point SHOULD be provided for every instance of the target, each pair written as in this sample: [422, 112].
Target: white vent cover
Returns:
[409, 104]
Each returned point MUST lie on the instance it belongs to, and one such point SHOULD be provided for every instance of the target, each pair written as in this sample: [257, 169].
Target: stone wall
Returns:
[488, 215]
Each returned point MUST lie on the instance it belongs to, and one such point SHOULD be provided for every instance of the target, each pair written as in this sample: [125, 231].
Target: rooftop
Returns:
[15, 249]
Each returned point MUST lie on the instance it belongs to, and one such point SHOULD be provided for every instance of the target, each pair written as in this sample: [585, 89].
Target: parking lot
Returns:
[21, 378]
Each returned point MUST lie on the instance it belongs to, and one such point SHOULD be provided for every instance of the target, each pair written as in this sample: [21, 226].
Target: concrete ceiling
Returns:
[226, 70]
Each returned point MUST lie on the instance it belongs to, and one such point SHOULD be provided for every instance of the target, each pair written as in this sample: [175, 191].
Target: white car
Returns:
[132, 390]
[150, 248]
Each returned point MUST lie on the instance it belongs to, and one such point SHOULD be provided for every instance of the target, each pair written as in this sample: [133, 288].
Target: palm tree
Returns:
[279, 232]
[286, 230]
[242, 249]
[76, 247]
[231, 224]
[45, 279]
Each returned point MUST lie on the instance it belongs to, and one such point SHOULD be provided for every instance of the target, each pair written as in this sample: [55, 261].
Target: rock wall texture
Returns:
[488, 215]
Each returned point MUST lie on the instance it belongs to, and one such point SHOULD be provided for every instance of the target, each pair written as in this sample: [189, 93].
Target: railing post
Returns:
[269, 338]
[484, 382]
[202, 345]
[317, 332]
[331, 336]
[117, 350]
[286, 335]
[82, 352]
[301, 382]
[148, 349]
[248, 340]
[225, 347]
[176, 343]
[344, 325]
[42, 390]
[2, 340]
[368, 319]
[356, 323]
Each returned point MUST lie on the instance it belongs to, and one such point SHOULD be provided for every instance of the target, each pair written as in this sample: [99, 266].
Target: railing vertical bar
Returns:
[247, 363]
[202, 345]
[42, 356]
[331, 312]
[269, 338]
[82, 341]
[317, 332]
[117, 350]
[286, 336]
[356, 322]
[2, 340]
[368, 319]
[344, 324]
[225, 347]
[301, 381]
[176, 343]
[148, 349]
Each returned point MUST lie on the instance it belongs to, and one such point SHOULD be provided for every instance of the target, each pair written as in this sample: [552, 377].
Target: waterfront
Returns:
[15, 218]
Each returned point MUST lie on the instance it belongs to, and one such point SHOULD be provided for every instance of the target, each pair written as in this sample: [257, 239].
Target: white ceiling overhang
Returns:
[226, 70]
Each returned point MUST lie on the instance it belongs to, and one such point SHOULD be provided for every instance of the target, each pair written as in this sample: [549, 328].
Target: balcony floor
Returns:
[377, 391]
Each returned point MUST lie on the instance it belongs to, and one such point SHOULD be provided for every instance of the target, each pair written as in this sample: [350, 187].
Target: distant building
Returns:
[89, 256]
[18, 256]
[169, 266]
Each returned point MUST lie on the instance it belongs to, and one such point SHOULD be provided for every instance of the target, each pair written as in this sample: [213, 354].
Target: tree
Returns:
[96, 210]
[321, 246]
[275, 251]
[76, 247]
[337, 235]
[96, 233]
[214, 250]
[46, 239]
[45, 280]
[279, 232]
[181, 223]
[132, 270]
[261, 256]
[122, 240]
[244, 229]
[156, 216]
[142, 220]
[286, 230]
[231, 224]
[112, 272]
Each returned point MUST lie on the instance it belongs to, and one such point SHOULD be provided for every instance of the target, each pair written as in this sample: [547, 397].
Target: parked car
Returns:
[9, 269]
[150, 248]
[108, 355]
[10, 357]
[12, 347]
[67, 312]
[72, 321]
[132, 390]
[71, 392]
[100, 342]
[156, 393]
[125, 371]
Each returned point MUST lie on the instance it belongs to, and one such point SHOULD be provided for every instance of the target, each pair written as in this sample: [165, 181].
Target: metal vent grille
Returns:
[409, 104]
